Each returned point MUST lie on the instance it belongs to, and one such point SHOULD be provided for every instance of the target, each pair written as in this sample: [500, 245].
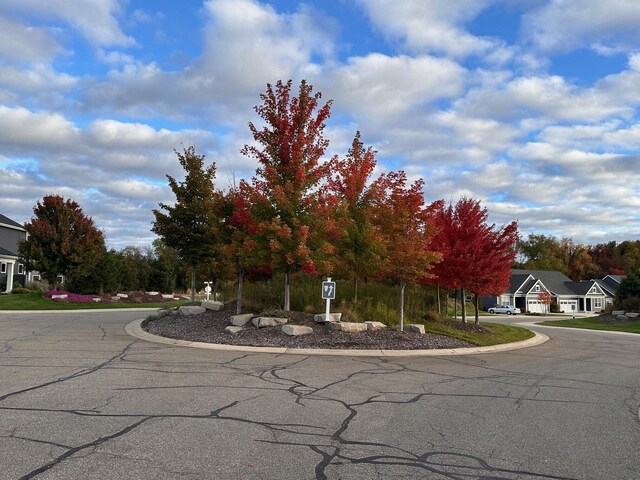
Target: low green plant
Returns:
[20, 290]
[38, 286]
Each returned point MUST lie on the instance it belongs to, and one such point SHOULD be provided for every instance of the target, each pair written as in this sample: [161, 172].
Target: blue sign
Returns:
[328, 290]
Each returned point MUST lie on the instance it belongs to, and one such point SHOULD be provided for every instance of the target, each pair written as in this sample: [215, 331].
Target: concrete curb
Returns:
[134, 329]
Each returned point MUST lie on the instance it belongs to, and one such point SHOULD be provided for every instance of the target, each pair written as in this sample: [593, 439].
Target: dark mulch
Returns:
[209, 327]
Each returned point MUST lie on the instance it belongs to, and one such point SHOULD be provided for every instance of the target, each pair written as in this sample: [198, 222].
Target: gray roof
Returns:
[8, 221]
[5, 252]
[556, 282]
[610, 284]
[580, 288]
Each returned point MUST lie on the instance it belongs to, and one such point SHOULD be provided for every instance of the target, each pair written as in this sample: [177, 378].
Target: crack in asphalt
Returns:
[81, 373]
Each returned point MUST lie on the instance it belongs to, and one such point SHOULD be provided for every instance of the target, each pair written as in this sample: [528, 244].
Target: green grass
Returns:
[594, 323]
[35, 301]
[499, 333]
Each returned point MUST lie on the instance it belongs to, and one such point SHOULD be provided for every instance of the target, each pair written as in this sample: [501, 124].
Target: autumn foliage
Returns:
[475, 255]
[61, 240]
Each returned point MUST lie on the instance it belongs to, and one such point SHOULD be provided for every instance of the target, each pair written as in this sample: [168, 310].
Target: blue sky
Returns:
[530, 106]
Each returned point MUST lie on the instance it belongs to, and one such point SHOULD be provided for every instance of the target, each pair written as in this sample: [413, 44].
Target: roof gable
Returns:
[7, 222]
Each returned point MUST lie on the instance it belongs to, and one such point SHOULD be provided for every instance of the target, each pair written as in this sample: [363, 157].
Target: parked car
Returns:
[508, 309]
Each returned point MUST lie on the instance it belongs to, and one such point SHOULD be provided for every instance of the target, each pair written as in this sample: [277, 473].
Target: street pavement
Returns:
[81, 399]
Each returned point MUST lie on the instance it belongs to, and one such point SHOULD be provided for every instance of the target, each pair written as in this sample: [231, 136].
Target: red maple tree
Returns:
[284, 194]
[353, 197]
[406, 228]
[475, 255]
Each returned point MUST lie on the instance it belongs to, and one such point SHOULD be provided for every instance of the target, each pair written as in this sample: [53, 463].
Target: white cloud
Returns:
[562, 26]
[26, 43]
[433, 26]
[94, 19]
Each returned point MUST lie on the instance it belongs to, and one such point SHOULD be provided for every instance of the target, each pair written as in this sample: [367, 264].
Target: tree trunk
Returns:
[355, 293]
[463, 304]
[402, 306]
[287, 305]
[193, 282]
[239, 299]
[455, 304]
[476, 302]
[439, 306]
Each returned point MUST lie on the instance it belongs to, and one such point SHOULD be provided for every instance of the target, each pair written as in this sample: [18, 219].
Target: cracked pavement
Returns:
[79, 398]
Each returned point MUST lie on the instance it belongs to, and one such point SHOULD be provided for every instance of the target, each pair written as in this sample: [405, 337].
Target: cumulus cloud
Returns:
[96, 20]
[607, 27]
[433, 26]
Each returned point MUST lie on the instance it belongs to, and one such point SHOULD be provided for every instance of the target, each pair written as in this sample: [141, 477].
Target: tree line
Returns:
[299, 214]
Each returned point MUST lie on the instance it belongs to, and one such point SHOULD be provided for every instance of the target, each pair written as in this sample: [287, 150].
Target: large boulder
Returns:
[373, 326]
[295, 330]
[241, 319]
[212, 305]
[191, 310]
[269, 321]
[414, 328]
[350, 327]
[632, 315]
[333, 317]
[615, 313]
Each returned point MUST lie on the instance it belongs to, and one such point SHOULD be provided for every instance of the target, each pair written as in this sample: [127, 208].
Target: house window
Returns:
[537, 288]
[36, 278]
[20, 269]
[597, 303]
[3, 268]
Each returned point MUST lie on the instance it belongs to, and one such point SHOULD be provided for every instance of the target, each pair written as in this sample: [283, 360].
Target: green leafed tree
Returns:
[191, 225]
[61, 240]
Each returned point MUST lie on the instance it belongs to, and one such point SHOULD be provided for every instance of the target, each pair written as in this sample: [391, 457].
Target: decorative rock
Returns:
[269, 321]
[373, 326]
[295, 330]
[167, 295]
[62, 296]
[333, 317]
[350, 327]
[233, 329]
[212, 305]
[191, 310]
[632, 315]
[96, 300]
[414, 328]
[622, 318]
[615, 313]
[122, 295]
[154, 293]
[241, 319]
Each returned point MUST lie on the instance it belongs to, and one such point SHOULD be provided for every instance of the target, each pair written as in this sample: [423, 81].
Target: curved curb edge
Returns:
[134, 328]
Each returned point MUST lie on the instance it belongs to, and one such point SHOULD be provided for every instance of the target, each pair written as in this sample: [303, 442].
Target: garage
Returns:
[568, 306]
[535, 306]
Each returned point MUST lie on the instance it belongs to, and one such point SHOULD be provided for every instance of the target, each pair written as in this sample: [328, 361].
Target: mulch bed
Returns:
[209, 327]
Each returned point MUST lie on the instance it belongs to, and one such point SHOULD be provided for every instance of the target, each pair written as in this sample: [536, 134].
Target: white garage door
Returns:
[535, 306]
[568, 306]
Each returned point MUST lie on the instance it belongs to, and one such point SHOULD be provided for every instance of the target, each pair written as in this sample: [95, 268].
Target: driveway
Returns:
[79, 398]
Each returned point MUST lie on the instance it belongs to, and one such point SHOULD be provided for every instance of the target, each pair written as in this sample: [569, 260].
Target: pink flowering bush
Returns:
[75, 297]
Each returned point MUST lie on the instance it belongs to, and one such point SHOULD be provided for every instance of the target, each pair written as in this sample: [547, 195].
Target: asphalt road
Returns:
[80, 399]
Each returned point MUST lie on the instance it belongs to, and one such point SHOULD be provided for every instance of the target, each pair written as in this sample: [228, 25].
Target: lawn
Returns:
[499, 333]
[594, 323]
[35, 301]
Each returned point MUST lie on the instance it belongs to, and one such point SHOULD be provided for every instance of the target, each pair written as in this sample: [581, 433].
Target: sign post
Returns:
[328, 293]
[207, 290]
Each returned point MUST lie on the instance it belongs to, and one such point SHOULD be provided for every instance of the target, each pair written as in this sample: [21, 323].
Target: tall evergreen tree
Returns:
[191, 225]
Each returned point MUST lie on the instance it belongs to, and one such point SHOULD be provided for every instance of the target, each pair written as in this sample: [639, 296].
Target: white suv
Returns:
[508, 309]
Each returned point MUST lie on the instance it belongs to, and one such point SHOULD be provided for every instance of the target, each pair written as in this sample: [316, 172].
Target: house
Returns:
[526, 286]
[10, 270]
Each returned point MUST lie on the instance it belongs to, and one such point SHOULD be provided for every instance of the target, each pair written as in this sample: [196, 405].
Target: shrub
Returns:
[20, 290]
[554, 308]
[38, 286]
[433, 317]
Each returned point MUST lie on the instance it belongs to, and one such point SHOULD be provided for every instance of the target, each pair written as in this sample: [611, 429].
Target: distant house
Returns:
[584, 296]
[10, 270]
